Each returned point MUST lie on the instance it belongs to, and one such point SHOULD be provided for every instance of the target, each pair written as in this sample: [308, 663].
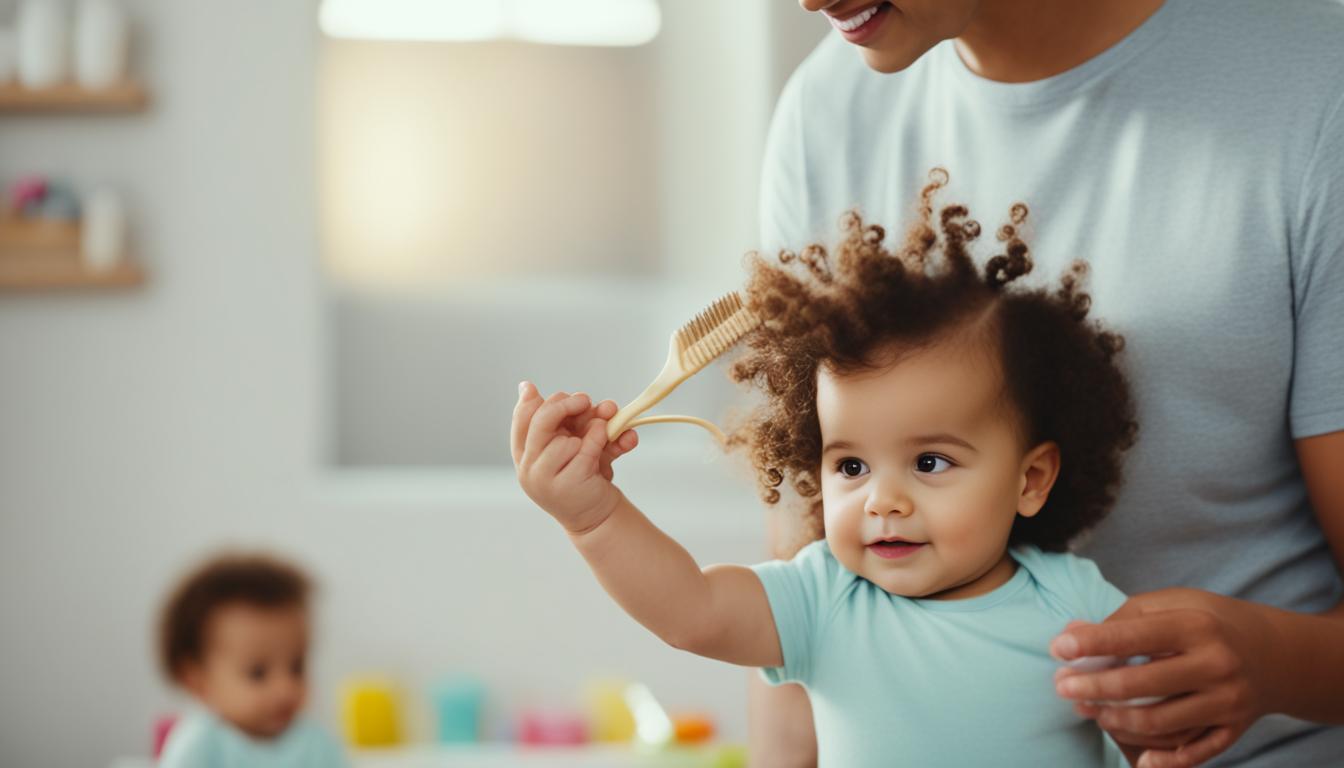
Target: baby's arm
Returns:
[720, 612]
[563, 462]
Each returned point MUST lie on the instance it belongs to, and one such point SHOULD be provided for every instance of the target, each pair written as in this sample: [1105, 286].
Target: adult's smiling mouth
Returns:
[859, 25]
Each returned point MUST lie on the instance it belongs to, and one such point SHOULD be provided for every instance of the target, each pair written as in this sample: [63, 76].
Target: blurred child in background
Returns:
[234, 634]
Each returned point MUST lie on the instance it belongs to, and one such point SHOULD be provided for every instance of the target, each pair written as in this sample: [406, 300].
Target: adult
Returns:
[1193, 152]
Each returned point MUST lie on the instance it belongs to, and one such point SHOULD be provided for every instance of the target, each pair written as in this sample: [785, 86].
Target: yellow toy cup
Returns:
[609, 717]
[371, 713]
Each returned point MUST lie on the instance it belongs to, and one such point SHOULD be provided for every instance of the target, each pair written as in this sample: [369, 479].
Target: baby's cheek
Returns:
[845, 539]
[971, 529]
[840, 512]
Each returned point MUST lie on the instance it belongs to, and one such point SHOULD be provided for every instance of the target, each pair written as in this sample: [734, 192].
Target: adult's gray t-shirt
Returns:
[1198, 166]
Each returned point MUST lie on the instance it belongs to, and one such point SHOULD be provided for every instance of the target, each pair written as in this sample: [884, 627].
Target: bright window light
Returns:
[558, 22]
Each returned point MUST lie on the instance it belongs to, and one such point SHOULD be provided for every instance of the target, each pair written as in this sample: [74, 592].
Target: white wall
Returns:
[139, 430]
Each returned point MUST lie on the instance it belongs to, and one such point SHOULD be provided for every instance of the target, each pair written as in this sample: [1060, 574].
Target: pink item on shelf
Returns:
[162, 727]
[539, 728]
[29, 189]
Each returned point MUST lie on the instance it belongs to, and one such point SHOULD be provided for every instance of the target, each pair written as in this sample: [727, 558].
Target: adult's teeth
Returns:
[853, 23]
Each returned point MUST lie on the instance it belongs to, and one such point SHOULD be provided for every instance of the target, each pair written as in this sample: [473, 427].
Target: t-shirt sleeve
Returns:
[783, 192]
[801, 592]
[1100, 598]
[1316, 397]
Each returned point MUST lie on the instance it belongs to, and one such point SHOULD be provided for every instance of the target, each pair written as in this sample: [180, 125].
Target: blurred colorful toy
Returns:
[27, 193]
[609, 713]
[692, 728]
[60, 202]
[42, 197]
[551, 728]
[371, 713]
[457, 706]
[730, 756]
[653, 728]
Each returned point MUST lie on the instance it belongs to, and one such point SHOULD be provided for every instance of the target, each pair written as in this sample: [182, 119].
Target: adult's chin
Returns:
[891, 60]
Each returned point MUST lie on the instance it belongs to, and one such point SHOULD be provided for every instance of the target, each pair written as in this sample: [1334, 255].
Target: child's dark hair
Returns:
[1060, 369]
[250, 579]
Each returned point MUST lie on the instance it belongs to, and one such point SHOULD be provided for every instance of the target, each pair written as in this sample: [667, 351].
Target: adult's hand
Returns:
[1207, 652]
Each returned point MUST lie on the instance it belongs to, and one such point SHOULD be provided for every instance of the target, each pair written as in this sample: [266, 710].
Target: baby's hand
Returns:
[562, 456]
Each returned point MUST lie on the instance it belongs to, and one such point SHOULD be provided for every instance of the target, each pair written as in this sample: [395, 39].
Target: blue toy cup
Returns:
[457, 704]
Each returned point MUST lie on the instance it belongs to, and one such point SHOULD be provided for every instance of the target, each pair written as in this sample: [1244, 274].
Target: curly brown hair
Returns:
[1059, 368]
[251, 579]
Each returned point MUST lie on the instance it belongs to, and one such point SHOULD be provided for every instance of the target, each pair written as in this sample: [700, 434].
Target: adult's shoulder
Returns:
[1315, 24]
[1286, 46]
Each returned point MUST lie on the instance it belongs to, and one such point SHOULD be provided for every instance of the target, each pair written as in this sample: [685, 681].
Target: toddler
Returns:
[234, 634]
[947, 434]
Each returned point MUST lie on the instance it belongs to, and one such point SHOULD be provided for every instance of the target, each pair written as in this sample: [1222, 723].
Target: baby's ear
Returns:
[1040, 469]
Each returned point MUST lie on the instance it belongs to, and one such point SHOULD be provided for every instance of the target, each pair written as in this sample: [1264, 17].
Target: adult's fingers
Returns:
[1202, 749]
[1166, 676]
[1147, 740]
[1151, 634]
[1179, 715]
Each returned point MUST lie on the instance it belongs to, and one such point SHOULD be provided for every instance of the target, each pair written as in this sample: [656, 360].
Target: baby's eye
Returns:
[256, 673]
[932, 463]
[296, 667]
[851, 467]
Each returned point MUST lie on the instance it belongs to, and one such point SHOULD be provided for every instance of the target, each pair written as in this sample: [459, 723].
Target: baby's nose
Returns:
[887, 499]
[884, 510]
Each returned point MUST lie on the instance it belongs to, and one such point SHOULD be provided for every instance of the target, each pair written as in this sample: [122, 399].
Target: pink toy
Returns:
[538, 728]
[27, 190]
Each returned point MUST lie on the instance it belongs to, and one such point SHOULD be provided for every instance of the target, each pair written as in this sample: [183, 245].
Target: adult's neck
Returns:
[1018, 41]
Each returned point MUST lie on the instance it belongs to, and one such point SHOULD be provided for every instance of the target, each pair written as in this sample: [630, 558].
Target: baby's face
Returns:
[925, 450]
[252, 672]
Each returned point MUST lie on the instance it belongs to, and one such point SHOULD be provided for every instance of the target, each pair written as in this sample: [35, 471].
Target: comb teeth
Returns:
[713, 331]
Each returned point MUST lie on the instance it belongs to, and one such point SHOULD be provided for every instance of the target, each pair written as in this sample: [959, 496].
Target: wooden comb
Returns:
[694, 345]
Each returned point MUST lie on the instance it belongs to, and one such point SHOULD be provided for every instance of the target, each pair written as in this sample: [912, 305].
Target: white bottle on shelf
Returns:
[42, 30]
[101, 37]
[102, 241]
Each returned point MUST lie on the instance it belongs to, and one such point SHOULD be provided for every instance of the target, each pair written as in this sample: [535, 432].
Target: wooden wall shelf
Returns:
[124, 97]
[37, 255]
[42, 255]
[50, 273]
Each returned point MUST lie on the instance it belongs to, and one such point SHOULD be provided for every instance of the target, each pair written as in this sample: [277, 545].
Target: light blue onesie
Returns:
[955, 683]
[201, 740]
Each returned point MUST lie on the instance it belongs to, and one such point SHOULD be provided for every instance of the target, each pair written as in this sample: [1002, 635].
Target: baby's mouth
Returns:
[893, 549]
